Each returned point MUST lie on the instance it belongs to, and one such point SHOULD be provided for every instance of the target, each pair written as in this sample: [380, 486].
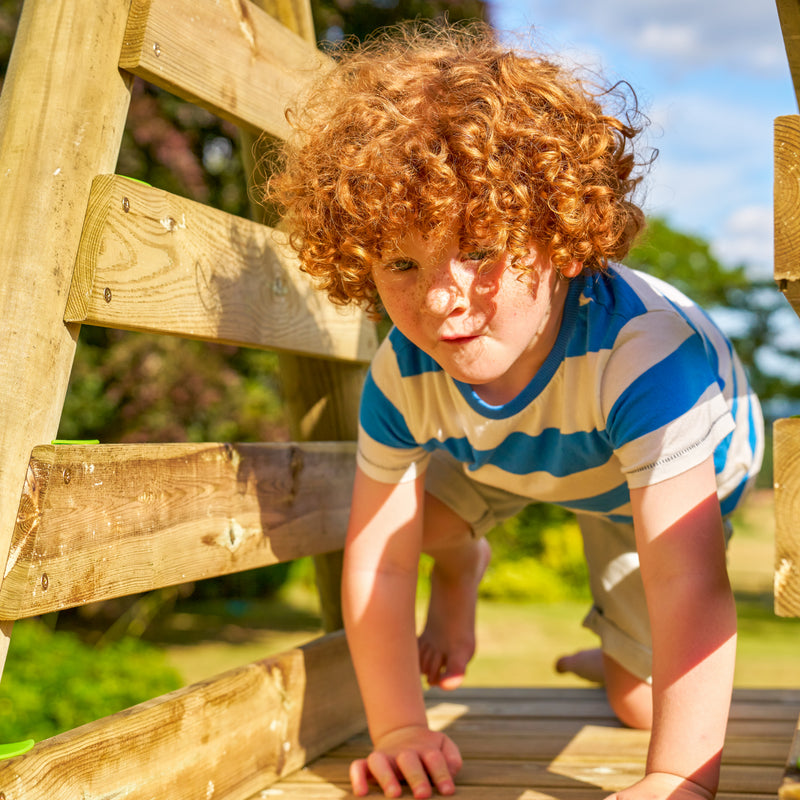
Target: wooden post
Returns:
[789, 15]
[322, 396]
[62, 114]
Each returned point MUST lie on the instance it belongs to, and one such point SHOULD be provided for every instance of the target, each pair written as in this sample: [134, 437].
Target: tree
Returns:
[752, 312]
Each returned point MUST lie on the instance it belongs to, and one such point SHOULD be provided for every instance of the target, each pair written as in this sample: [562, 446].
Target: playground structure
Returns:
[82, 523]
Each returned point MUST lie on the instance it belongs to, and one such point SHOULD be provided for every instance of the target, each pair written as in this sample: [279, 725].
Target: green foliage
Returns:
[128, 387]
[537, 556]
[53, 682]
[336, 19]
[687, 263]
[753, 313]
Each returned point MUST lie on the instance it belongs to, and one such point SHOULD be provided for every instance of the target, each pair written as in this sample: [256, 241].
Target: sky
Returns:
[711, 75]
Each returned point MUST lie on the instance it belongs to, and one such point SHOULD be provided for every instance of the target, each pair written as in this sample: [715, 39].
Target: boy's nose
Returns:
[448, 289]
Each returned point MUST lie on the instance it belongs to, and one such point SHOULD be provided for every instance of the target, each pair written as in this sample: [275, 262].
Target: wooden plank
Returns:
[573, 766]
[294, 790]
[62, 115]
[789, 16]
[153, 261]
[231, 58]
[547, 753]
[103, 521]
[225, 738]
[786, 448]
[790, 785]
[787, 207]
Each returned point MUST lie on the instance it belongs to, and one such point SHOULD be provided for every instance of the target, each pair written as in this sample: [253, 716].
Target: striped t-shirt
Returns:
[639, 386]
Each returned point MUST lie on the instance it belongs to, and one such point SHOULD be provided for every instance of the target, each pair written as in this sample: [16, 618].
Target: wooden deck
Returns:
[565, 744]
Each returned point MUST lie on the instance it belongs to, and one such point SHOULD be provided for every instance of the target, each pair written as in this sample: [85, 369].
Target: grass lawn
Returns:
[518, 642]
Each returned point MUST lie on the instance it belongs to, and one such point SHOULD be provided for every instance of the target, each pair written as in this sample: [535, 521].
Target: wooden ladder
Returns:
[83, 523]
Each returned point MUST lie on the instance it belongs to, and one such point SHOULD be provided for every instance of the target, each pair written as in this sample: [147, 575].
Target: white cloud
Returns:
[742, 37]
[746, 238]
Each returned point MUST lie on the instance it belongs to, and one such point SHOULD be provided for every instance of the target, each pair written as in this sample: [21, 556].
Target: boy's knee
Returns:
[630, 698]
[442, 527]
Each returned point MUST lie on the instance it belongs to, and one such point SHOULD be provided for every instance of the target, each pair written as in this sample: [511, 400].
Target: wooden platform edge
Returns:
[790, 786]
[227, 737]
[155, 262]
[103, 521]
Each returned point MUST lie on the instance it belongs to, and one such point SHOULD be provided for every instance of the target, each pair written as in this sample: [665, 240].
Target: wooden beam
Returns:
[786, 448]
[787, 207]
[104, 521]
[246, 72]
[226, 738]
[789, 15]
[153, 261]
[322, 398]
[62, 114]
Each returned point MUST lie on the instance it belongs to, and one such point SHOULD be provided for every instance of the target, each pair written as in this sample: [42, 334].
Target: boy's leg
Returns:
[619, 617]
[447, 643]
[458, 513]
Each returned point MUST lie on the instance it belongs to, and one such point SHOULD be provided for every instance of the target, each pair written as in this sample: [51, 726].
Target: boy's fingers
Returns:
[439, 771]
[359, 777]
[452, 755]
[412, 769]
[382, 769]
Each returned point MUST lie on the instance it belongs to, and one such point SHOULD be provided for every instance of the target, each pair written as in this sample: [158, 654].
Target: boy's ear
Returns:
[572, 270]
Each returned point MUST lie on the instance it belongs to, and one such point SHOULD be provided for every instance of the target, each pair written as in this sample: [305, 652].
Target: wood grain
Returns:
[103, 521]
[787, 206]
[57, 131]
[225, 738]
[153, 261]
[246, 72]
[564, 744]
[786, 447]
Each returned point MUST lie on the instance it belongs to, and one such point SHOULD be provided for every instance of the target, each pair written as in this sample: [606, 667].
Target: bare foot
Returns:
[586, 664]
[448, 641]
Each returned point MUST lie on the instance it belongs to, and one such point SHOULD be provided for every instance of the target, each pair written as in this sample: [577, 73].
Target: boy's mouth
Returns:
[459, 339]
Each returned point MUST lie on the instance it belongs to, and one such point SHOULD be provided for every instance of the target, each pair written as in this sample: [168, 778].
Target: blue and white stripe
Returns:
[640, 386]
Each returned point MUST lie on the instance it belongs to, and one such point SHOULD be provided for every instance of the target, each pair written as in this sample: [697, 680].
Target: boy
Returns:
[480, 197]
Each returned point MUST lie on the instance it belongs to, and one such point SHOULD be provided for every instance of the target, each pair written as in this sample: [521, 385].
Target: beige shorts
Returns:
[619, 609]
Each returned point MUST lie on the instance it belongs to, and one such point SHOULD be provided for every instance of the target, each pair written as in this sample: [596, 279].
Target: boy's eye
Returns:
[477, 255]
[402, 265]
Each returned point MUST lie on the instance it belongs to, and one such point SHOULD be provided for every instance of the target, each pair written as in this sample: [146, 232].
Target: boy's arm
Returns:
[680, 541]
[378, 592]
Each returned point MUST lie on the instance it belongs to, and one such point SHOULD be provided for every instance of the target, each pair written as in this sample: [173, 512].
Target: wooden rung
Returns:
[103, 521]
[786, 449]
[152, 261]
[246, 72]
[226, 738]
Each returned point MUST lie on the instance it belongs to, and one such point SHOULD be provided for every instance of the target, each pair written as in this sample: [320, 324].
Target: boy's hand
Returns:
[663, 786]
[425, 759]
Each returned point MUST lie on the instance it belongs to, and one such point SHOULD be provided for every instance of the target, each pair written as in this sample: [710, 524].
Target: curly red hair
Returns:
[422, 127]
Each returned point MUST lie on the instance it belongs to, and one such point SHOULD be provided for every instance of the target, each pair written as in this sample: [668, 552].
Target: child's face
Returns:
[491, 329]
